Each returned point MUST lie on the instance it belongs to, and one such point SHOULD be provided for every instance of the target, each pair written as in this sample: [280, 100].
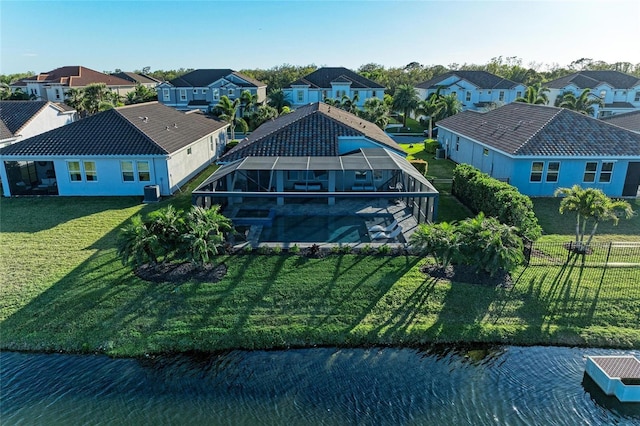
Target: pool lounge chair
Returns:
[381, 228]
[387, 235]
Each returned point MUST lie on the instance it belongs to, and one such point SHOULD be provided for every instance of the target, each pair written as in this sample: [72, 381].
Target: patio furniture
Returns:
[387, 235]
[382, 228]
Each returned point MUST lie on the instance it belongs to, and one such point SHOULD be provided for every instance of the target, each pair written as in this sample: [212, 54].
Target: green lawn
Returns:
[413, 126]
[63, 289]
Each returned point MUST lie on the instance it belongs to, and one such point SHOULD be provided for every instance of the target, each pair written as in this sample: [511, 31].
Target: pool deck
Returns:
[616, 375]
[342, 207]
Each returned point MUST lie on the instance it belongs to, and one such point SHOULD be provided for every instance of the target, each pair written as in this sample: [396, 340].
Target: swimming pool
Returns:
[317, 229]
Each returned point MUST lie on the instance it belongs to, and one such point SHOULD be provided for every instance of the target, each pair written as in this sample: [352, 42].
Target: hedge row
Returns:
[420, 165]
[482, 193]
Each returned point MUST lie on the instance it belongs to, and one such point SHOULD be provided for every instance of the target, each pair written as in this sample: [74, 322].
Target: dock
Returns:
[616, 375]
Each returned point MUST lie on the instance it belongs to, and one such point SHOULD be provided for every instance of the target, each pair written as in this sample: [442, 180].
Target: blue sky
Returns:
[105, 35]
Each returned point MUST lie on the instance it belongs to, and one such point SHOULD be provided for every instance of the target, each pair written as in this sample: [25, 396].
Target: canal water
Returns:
[324, 386]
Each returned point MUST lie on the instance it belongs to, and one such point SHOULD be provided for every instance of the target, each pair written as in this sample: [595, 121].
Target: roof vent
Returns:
[175, 125]
[144, 119]
[167, 127]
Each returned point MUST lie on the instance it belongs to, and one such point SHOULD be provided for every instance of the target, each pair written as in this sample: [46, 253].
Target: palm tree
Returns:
[167, 225]
[227, 111]
[535, 95]
[430, 107]
[248, 102]
[205, 233]
[405, 100]
[437, 240]
[75, 99]
[376, 111]
[137, 244]
[584, 104]
[448, 105]
[95, 97]
[349, 104]
[278, 100]
[591, 204]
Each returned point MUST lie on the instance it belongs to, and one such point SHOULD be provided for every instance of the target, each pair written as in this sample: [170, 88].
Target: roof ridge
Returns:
[33, 116]
[312, 110]
[553, 117]
[130, 124]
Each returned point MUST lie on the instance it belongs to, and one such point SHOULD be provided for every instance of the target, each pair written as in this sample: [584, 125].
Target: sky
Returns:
[237, 34]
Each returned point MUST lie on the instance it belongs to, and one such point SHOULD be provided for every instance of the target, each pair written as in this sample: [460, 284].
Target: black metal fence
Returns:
[607, 254]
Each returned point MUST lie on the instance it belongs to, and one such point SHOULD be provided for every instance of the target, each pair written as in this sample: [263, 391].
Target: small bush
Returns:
[247, 249]
[421, 166]
[384, 249]
[313, 251]
[430, 146]
[366, 249]
[277, 250]
[346, 249]
[264, 250]
[295, 249]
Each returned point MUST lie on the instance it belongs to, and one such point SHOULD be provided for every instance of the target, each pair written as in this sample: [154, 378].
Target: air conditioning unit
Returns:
[151, 194]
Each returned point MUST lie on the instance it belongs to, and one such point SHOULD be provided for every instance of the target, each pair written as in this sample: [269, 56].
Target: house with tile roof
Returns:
[476, 90]
[116, 152]
[332, 83]
[539, 148]
[627, 120]
[138, 78]
[318, 153]
[52, 85]
[202, 89]
[620, 92]
[20, 120]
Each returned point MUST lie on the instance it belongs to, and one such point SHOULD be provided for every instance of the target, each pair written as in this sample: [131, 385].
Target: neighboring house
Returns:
[620, 92]
[539, 148]
[52, 85]
[202, 89]
[137, 78]
[20, 120]
[318, 152]
[476, 90]
[332, 83]
[115, 152]
[628, 120]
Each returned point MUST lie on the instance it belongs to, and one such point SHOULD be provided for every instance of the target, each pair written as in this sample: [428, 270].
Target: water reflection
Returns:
[435, 385]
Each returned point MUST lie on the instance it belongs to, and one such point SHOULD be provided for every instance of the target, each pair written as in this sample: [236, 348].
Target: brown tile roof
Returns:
[141, 129]
[628, 120]
[78, 76]
[312, 130]
[540, 130]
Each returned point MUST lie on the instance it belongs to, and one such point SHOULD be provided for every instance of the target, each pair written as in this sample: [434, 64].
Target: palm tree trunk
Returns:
[430, 126]
[593, 232]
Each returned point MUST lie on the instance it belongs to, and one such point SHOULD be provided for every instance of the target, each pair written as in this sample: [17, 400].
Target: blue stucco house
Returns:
[116, 152]
[539, 148]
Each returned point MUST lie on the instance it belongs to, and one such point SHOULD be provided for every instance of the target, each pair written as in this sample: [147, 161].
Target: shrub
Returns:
[346, 249]
[366, 249]
[264, 250]
[430, 146]
[295, 249]
[247, 249]
[277, 250]
[384, 249]
[482, 193]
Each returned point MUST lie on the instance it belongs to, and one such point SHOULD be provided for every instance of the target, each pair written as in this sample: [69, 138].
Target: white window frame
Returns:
[637, 98]
[74, 172]
[231, 92]
[166, 94]
[591, 173]
[140, 171]
[216, 94]
[123, 171]
[183, 94]
[467, 96]
[537, 170]
[87, 172]
[501, 96]
[300, 95]
[550, 172]
[608, 173]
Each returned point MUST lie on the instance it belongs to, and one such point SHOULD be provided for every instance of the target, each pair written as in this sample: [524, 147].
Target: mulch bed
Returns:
[468, 274]
[181, 272]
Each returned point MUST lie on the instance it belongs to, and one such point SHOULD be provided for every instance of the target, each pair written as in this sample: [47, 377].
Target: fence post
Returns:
[569, 252]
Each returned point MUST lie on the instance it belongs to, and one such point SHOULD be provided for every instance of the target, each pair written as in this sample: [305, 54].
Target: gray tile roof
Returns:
[590, 79]
[16, 114]
[312, 130]
[628, 120]
[481, 79]
[322, 78]
[540, 130]
[204, 77]
[136, 78]
[142, 129]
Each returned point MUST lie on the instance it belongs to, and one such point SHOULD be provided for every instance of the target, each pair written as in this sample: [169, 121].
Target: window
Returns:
[457, 143]
[501, 96]
[126, 167]
[195, 91]
[590, 171]
[300, 96]
[536, 171]
[57, 93]
[553, 169]
[90, 172]
[183, 94]
[74, 171]
[356, 93]
[489, 92]
[373, 94]
[216, 94]
[605, 172]
[189, 151]
[603, 93]
[485, 151]
[165, 94]
[230, 92]
[637, 98]
[361, 175]
[467, 98]
[204, 91]
[324, 94]
[518, 94]
[143, 171]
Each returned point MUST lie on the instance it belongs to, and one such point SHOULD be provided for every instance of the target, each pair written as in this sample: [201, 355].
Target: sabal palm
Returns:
[137, 243]
[584, 103]
[405, 100]
[376, 111]
[167, 224]
[205, 229]
[591, 204]
[437, 240]
[278, 100]
[535, 95]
